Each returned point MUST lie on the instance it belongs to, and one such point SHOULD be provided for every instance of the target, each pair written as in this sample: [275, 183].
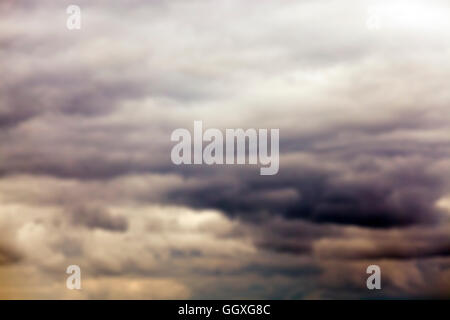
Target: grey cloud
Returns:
[96, 217]
[413, 243]
[85, 124]
[368, 193]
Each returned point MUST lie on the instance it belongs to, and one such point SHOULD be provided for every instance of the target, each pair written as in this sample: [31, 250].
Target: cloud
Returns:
[95, 217]
[8, 256]
[85, 171]
[412, 243]
[384, 192]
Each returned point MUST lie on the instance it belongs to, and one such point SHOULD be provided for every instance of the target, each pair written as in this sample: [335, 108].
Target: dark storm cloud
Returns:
[358, 193]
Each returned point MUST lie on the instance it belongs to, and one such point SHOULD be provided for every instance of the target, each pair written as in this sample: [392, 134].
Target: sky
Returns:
[358, 90]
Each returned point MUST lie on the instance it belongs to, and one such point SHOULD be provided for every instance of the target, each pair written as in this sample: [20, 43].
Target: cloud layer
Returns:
[85, 171]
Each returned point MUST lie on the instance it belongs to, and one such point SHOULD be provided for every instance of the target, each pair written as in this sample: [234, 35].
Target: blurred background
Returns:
[358, 89]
